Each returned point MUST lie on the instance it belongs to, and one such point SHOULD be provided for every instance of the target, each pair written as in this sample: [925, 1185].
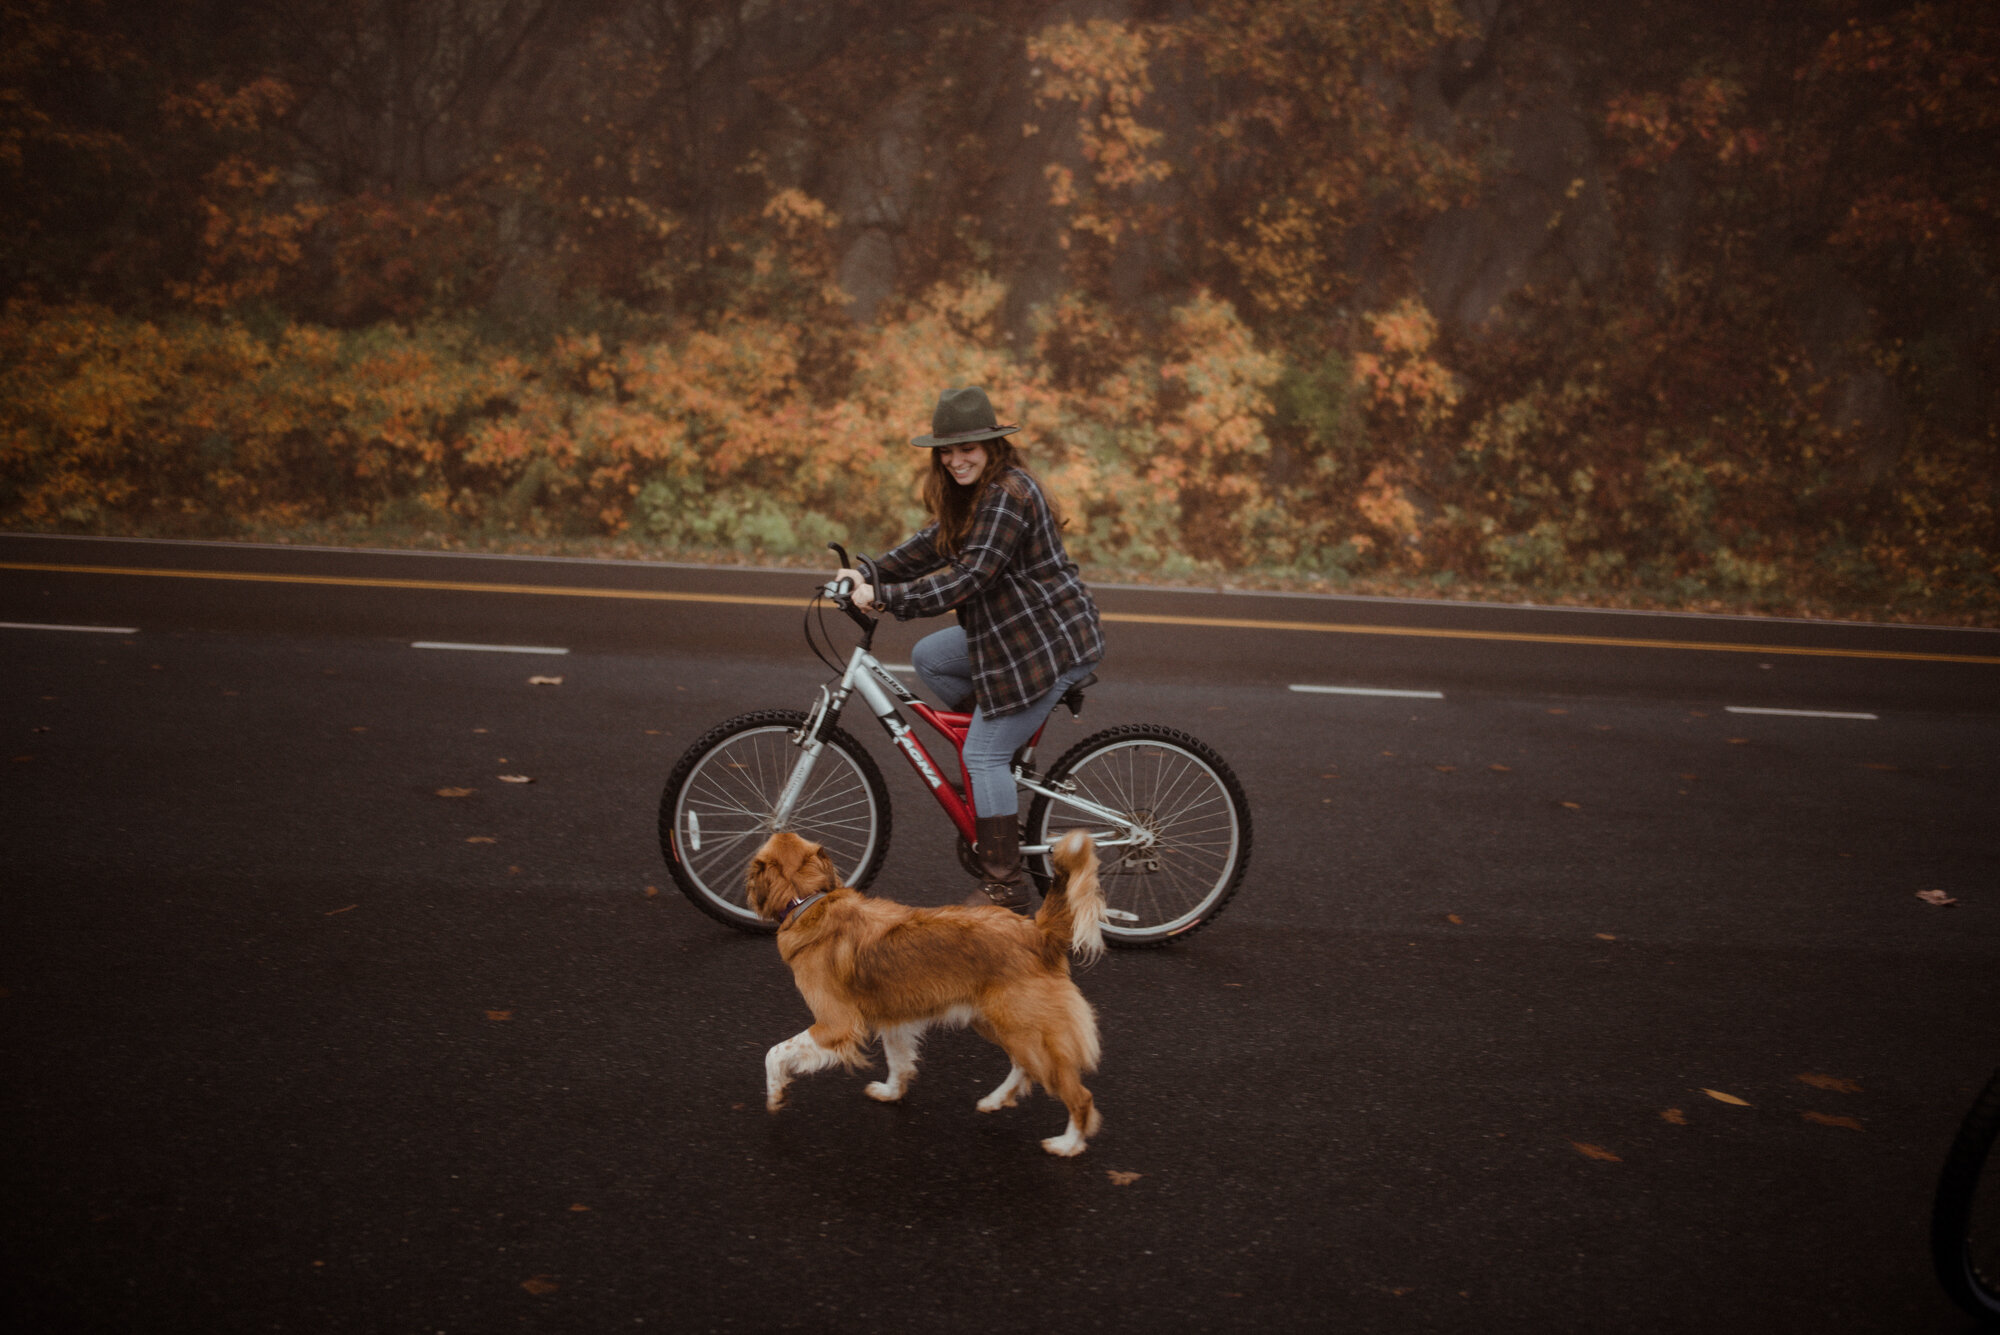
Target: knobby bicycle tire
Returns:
[734, 772]
[1965, 1218]
[1177, 783]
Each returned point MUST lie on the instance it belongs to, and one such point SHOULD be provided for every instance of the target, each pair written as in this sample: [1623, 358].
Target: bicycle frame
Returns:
[884, 696]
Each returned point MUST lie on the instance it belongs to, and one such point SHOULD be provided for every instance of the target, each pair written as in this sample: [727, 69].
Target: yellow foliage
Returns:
[1402, 376]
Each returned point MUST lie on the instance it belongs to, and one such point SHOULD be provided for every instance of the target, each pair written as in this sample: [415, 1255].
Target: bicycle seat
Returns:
[1073, 697]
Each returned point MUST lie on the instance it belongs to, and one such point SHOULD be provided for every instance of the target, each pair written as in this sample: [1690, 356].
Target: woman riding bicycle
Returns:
[1028, 630]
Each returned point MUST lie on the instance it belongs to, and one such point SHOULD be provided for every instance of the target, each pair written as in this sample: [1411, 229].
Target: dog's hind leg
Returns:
[1083, 1117]
[801, 1054]
[1011, 1089]
[899, 1049]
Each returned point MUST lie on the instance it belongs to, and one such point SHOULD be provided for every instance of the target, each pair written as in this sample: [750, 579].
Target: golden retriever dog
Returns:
[869, 967]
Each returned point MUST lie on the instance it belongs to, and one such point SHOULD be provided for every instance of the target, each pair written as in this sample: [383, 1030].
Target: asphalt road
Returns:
[293, 1043]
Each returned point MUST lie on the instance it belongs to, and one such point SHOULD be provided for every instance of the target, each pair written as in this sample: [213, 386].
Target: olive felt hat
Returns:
[962, 417]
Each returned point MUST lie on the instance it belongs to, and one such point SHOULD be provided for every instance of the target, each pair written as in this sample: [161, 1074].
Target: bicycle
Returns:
[1965, 1214]
[1170, 820]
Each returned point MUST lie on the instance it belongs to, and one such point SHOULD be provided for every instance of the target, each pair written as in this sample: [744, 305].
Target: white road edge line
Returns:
[94, 630]
[1796, 713]
[1369, 690]
[488, 648]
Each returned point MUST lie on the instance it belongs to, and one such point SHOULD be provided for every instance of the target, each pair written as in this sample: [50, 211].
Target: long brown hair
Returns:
[953, 505]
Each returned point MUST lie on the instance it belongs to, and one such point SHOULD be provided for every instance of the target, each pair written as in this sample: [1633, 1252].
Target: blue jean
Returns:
[944, 665]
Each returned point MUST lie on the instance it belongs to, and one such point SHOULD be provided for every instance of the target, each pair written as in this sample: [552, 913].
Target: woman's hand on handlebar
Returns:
[863, 596]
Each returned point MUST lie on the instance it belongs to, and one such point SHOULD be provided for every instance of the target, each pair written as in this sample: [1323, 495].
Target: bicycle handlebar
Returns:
[842, 590]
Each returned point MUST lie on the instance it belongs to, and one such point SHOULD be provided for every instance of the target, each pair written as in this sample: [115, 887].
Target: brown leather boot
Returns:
[1001, 879]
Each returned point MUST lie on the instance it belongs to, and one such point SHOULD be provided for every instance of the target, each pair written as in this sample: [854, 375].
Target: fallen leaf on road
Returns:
[1832, 1082]
[1500, 769]
[481, 839]
[1739, 741]
[1446, 769]
[1937, 897]
[455, 792]
[1606, 936]
[1397, 1293]
[330, 912]
[513, 778]
[1454, 919]
[1122, 1179]
[1674, 1115]
[499, 1015]
[652, 890]
[1595, 1152]
[1574, 806]
[545, 681]
[358, 728]
[1825, 1119]
[1721, 1097]
[1686, 777]
[539, 1284]
[579, 1209]
[1559, 711]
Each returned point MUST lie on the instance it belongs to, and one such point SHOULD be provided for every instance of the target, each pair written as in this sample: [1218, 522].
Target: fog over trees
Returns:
[1665, 301]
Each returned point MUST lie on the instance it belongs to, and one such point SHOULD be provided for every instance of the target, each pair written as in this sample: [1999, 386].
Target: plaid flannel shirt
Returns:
[1027, 616]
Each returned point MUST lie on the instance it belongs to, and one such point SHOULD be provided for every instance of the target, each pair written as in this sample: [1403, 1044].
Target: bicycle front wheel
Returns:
[1183, 796]
[721, 800]
[1965, 1221]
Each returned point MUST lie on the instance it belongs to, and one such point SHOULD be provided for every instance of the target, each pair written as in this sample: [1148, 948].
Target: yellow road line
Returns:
[1134, 618]
[435, 585]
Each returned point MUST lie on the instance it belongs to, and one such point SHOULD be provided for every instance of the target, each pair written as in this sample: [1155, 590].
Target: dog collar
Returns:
[798, 905]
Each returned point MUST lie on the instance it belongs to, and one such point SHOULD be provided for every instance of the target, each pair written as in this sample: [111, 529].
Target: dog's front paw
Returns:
[996, 1101]
[775, 1100]
[1068, 1145]
[883, 1092]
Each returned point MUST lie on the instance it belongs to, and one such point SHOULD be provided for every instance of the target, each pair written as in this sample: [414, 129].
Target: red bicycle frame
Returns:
[955, 798]
[883, 695]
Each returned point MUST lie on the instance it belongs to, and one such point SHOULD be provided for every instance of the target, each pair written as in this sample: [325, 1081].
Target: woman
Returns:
[1027, 632]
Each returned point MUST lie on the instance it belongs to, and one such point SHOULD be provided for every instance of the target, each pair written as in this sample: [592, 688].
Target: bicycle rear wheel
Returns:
[1181, 791]
[720, 800]
[1965, 1220]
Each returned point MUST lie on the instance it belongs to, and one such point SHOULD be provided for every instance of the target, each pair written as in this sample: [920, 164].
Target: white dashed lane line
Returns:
[1369, 690]
[90, 630]
[1796, 713]
[1439, 695]
[488, 648]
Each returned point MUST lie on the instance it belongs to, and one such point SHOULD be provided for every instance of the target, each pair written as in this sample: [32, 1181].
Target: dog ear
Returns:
[826, 869]
[759, 886]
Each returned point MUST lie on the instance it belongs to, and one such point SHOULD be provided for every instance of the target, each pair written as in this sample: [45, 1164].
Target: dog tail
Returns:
[1072, 915]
